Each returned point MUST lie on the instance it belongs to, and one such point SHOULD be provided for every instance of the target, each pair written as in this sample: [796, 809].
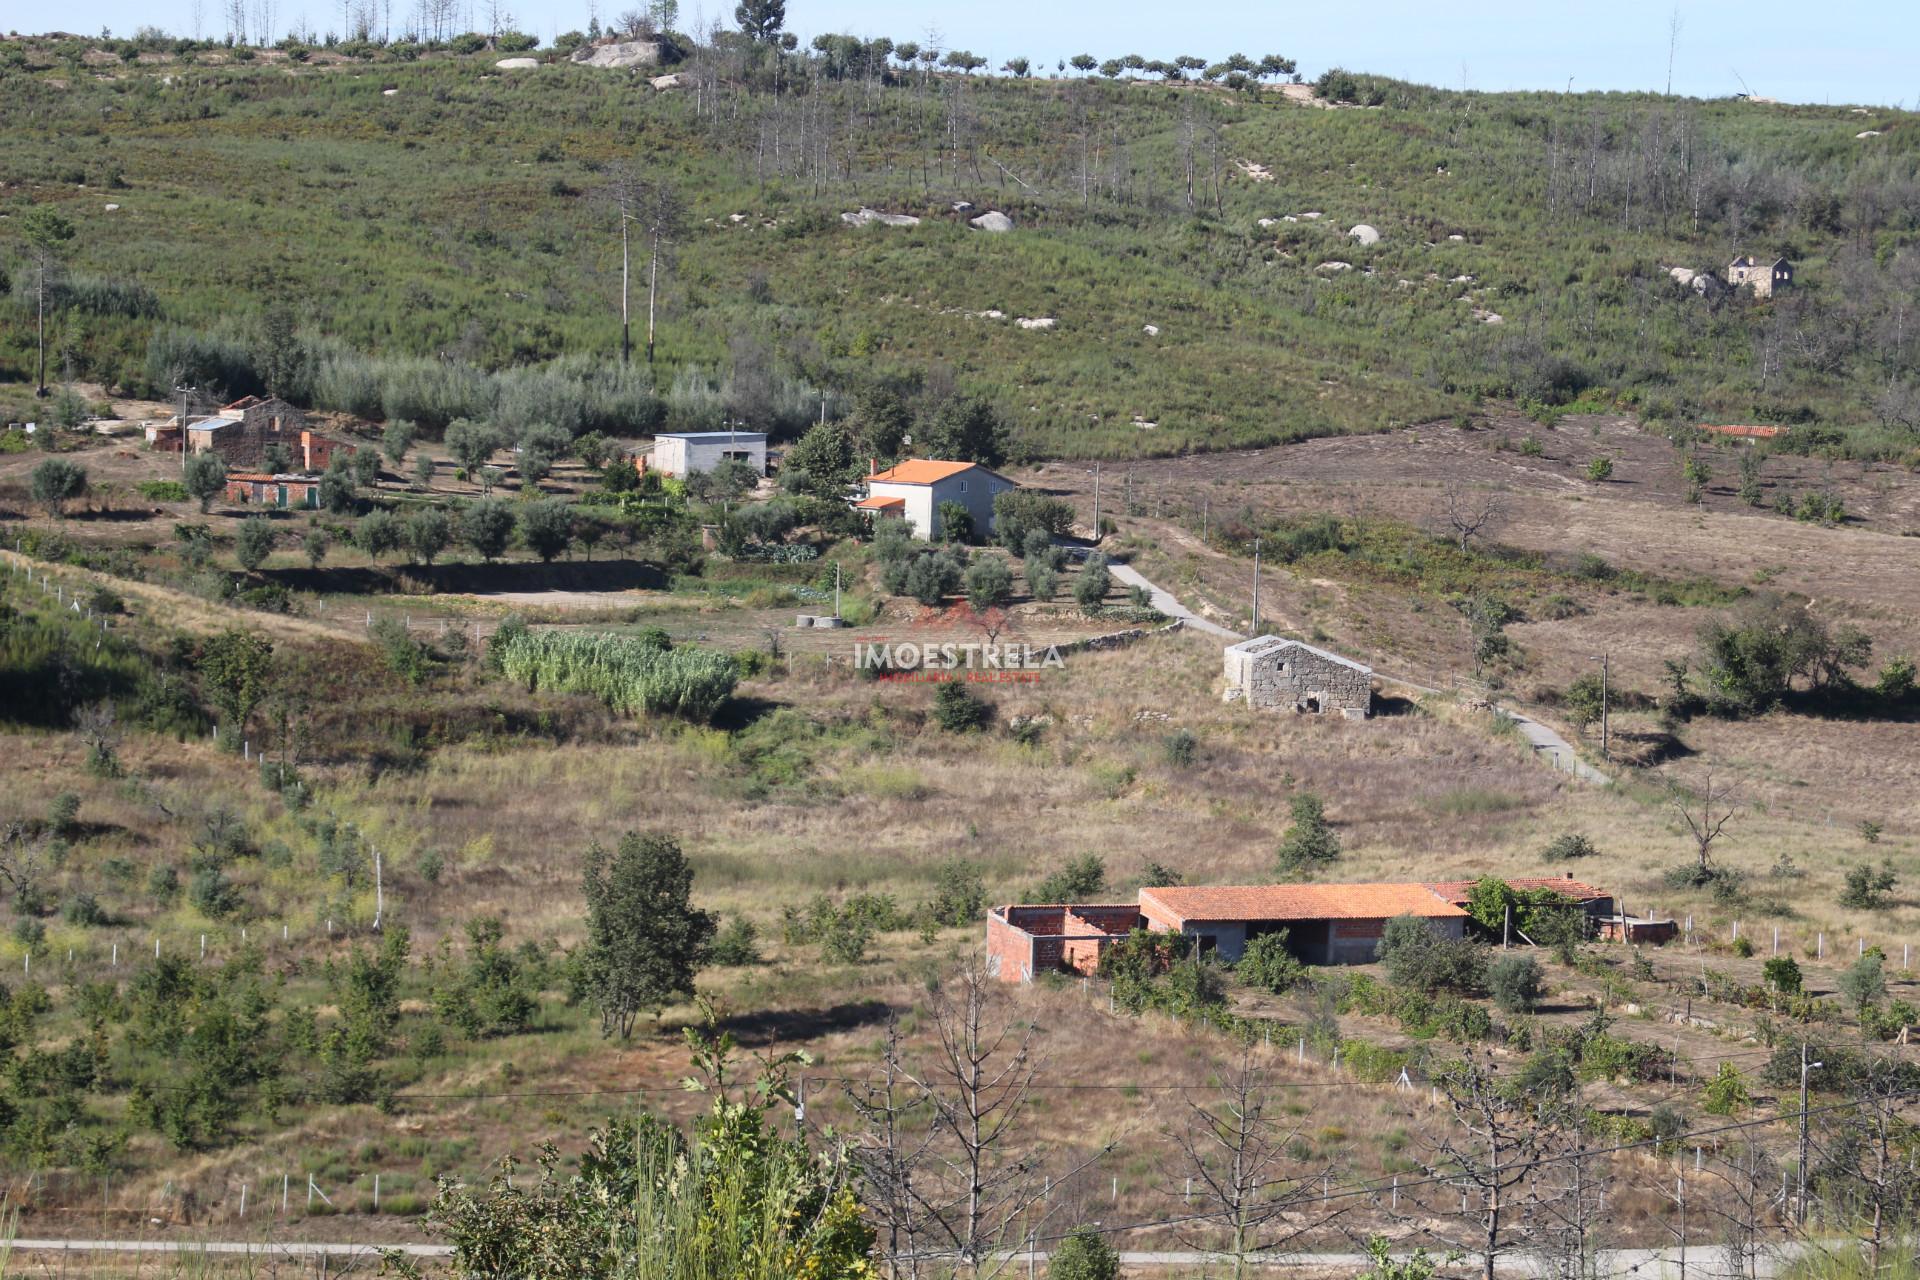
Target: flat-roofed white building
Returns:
[681, 453]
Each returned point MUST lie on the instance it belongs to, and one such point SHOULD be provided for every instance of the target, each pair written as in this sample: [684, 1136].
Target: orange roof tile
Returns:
[880, 504]
[1579, 891]
[921, 471]
[1296, 902]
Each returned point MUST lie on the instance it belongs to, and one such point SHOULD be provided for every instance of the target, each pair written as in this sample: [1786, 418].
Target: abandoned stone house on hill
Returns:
[1747, 271]
[265, 435]
[1272, 674]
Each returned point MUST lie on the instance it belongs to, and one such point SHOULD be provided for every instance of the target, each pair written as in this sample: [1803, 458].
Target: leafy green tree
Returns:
[1864, 982]
[427, 533]
[932, 577]
[964, 429]
[989, 584]
[546, 527]
[396, 440]
[487, 526]
[645, 938]
[493, 995]
[823, 463]
[47, 233]
[1726, 1094]
[1084, 63]
[1583, 700]
[1082, 878]
[471, 444]
[955, 521]
[1095, 580]
[1782, 973]
[379, 534]
[316, 543]
[732, 1200]
[1868, 888]
[592, 449]
[423, 469]
[339, 486]
[1084, 1255]
[56, 482]
[959, 895]
[237, 668]
[1019, 513]
[204, 476]
[761, 20]
[254, 543]
[282, 358]
[1310, 841]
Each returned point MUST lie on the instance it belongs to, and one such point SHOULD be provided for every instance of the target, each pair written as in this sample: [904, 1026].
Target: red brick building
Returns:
[284, 492]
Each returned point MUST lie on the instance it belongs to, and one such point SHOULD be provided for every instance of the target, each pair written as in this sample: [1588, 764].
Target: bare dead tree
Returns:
[1745, 1209]
[890, 1150]
[1573, 1212]
[653, 209]
[1234, 1152]
[984, 1180]
[1866, 1152]
[1471, 513]
[1499, 1135]
[97, 725]
[1706, 810]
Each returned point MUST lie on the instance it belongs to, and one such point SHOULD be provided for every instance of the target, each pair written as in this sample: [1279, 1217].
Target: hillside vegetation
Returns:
[387, 237]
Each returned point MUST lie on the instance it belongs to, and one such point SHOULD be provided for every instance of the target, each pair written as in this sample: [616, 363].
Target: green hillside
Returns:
[429, 222]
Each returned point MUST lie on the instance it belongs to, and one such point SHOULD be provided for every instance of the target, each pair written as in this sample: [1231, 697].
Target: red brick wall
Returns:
[1009, 948]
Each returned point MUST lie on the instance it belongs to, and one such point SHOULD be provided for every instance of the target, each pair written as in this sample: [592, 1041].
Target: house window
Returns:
[963, 486]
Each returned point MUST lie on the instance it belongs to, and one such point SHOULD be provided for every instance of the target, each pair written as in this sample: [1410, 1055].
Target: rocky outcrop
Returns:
[622, 54]
[992, 220]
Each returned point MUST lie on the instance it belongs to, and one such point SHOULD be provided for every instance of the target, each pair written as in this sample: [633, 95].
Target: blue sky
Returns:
[1852, 51]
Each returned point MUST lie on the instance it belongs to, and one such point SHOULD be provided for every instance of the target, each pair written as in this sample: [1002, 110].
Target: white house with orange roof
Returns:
[913, 491]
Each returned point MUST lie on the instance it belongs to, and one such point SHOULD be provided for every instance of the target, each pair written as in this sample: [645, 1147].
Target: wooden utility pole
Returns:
[1606, 698]
[1800, 1204]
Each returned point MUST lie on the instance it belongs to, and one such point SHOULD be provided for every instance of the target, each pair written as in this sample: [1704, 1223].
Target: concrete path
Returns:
[1559, 753]
[1166, 603]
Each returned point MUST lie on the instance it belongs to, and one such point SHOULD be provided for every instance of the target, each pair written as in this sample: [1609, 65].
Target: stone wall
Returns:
[1284, 675]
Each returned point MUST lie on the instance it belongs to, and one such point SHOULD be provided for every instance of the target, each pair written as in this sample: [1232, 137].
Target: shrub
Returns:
[1782, 973]
[1567, 847]
[1864, 982]
[83, 909]
[1600, 470]
[1180, 747]
[1415, 955]
[1726, 1093]
[1084, 1255]
[959, 895]
[1082, 878]
[737, 944]
[1867, 888]
[955, 522]
[55, 482]
[1266, 963]
[212, 894]
[957, 710]
[1514, 982]
[254, 543]
[623, 672]
[1019, 515]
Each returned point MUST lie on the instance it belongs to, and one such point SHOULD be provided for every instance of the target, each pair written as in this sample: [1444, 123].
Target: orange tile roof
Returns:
[880, 504]
[920, 471]
[1296, 902]
[1579, 891]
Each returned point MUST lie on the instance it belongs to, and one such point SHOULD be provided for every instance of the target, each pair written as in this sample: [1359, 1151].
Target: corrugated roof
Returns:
[1580, 891]
[921, 471]
[1297, 902]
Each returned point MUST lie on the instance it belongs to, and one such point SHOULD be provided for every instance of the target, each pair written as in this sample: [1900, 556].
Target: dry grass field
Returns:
[819, 782]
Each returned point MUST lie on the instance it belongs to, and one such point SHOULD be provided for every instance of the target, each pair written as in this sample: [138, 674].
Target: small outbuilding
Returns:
[1272, 674]
[1747, 271]
[681, 453]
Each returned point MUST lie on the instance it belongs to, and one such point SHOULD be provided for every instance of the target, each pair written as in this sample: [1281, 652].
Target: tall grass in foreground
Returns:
[627, 673]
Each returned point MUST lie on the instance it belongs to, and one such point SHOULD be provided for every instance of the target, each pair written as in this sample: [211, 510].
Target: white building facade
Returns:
[681, 453]
[913, 491]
